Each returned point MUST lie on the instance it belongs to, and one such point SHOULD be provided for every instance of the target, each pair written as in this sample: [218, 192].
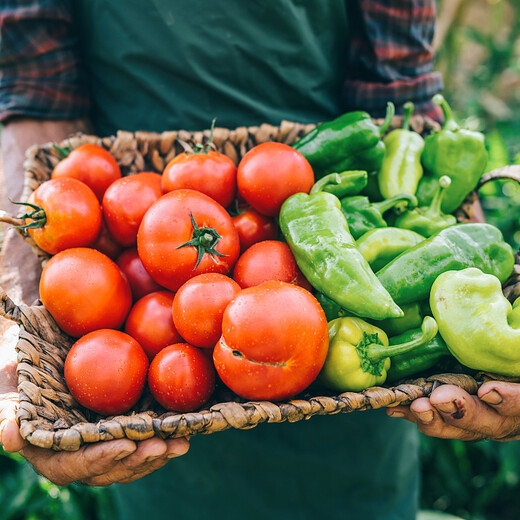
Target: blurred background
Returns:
[478, 51]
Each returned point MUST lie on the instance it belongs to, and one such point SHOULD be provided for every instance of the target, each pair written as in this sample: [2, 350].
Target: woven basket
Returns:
[49, 416]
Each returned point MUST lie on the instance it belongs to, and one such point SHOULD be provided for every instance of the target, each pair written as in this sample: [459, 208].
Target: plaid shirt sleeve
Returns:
[391, 56]
[40, 75]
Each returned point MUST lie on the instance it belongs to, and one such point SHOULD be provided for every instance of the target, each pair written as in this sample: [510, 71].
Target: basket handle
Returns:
[511, 171]
[9, 310]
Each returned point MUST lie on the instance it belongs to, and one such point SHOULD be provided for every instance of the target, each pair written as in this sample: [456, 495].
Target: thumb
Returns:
[10, 437]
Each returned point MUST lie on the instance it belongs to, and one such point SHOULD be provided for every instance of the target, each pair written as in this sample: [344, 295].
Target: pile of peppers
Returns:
[405, 288]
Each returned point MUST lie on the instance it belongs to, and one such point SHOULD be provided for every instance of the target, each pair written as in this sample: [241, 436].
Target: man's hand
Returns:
[452, 413]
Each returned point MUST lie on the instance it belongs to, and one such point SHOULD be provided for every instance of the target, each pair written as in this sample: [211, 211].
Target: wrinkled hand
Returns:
[99, 464]
[452, 413]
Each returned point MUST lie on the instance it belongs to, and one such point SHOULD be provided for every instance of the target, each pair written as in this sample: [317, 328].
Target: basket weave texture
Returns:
[49, 416]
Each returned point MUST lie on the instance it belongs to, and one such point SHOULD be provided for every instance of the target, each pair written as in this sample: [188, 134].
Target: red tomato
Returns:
[72, 215]
[181, 378]
[270, 173]
[91, 164]
[141, 283]
[150, 322]
[274, 342]
[105, 371]
[198, 307]
[186, 233]
[84, 290]
[268, 260]
[252, 227]
[125, 202]
[106, 244]
[212, 173]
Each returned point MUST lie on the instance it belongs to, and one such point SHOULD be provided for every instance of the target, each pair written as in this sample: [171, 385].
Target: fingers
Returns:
[10, 437]
[503, 397]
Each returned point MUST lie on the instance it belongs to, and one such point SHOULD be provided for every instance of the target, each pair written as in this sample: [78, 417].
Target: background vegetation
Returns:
[478, 51]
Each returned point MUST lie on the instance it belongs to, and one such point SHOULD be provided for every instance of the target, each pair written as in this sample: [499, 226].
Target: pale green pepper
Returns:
[359, 355]
[479, 325]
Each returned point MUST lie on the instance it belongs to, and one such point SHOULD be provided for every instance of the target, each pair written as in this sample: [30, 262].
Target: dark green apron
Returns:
[167, 64]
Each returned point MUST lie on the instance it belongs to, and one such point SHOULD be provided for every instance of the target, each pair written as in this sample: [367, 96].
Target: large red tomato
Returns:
[141, 283]
[84, 290]
[268, 260]
[253, 227]
[270, 173]
[105, 371]
[71, 215]
[150, 322]
[212, 173]
[125, 202]
[198, 307]
[186, 233]
[181, 377]
[91, 164]
[274, 342]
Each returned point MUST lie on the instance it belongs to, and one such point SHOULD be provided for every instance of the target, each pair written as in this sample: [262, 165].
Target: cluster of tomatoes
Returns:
[163, 286]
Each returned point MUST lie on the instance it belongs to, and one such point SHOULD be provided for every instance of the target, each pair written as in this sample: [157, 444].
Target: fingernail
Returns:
[395, 413]
[425, 417]
[450, 407]
[172, 455]
[122, 455]
[492, 397]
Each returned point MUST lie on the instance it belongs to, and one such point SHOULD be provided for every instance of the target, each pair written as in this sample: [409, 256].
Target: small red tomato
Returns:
[212, 173]
[270, 173]
[105, 371]
[141, 283]
[126, 201]
[252, 227]
[84, 290]
[91, 164]
[105, 243]
[181, 378]
[186, 233]
[274, 342]
[198, 307]
[268, 260]
[68, 212]
[150, 322]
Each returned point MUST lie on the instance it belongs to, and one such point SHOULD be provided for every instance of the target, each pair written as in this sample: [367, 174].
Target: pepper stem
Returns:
[387, 204]
[375, 352]
[449, 119]
[434, 210]
[341, 184]
[390, 113]
[328, 180]
[408, 111]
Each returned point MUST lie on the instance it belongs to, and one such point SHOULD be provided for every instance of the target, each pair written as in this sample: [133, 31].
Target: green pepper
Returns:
[381, 245]
[454, 151]
[479, 325]
[350, 142]
[318, 235]
[359, 355]
[413, 317]
[401, 169]
[362, 216]
[428, 220]
[342, 184]
[410, 276]
[331, 309]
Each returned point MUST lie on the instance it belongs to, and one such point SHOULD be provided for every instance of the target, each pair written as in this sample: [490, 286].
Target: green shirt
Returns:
[163, 65]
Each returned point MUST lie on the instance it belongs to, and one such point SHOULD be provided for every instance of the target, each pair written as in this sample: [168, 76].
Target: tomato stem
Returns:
[204, 239]
[63, 151]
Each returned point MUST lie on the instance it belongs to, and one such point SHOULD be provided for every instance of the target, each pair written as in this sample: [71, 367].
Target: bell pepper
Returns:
[410, 276]
[420, 360]
[479, 325]
[318, 235]
[359, 355]
[381, 245]
[342, 184]
[362, 216]
[350, 142]
[428, 220]
[454, 151]
[401, 169]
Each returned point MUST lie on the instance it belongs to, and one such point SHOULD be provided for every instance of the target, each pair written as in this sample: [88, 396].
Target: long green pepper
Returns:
[326, 253]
